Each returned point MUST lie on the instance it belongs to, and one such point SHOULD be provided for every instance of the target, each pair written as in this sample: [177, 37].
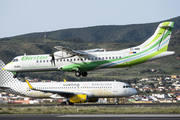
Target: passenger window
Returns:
[43, 60]
[40, 61]
[57, 60]
[109, 57]
[47, 60]
[123, 86]
[67, 59]
[37, 61]
[74, 59]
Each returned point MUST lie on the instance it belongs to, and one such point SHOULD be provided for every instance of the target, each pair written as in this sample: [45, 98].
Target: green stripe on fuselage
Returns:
[143, 59]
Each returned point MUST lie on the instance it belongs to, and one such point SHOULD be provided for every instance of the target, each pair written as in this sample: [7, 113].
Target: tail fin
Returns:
[160, 38]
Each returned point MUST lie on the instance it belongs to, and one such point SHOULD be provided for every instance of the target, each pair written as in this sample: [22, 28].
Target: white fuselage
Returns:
[30, 63]
[92, 89]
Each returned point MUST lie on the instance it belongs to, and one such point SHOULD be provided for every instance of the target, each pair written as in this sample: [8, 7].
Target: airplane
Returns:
[82, 61]
[70, 92]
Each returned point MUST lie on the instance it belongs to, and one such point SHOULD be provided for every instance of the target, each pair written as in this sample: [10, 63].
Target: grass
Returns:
[90, 110]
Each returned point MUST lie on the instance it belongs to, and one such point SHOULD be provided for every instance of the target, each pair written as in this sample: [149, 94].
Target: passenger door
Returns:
[115, 87]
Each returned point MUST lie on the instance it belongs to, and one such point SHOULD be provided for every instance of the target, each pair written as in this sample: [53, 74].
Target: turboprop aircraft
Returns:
[70, 92]
[81, 61]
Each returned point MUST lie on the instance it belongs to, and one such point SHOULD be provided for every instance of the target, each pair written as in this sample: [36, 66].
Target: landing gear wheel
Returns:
[63, 103]
[84, 74]
[15, 76]
[70, 103]
[78, 73]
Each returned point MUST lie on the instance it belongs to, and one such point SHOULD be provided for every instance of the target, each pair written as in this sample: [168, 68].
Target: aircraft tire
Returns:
[15, 76]
[63, 103]
[84, 74]
[70, 103]
[78, 73]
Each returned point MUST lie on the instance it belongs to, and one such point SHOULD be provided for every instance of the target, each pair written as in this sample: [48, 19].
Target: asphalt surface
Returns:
[93, 117]
[107, 105]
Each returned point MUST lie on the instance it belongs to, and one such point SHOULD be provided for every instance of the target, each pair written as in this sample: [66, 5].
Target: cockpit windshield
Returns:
[127, 86]
[15, 60]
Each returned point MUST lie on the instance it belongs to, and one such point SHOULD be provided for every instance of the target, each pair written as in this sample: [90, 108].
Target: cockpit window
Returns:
[15, 60]
[127, 86]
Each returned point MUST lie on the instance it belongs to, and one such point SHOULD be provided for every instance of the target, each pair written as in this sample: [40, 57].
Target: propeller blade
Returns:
[53, 58]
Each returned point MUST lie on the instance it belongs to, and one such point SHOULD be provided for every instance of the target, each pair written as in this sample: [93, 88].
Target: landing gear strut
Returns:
[117, 101]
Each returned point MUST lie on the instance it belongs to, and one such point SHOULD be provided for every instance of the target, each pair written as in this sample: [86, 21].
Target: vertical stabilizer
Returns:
[160, 39]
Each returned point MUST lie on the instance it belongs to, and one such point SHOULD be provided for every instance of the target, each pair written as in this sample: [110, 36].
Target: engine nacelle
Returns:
[81, 98]
[93, 99]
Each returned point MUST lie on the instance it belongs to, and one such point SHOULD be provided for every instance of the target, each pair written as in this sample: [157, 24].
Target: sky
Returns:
[19, 17]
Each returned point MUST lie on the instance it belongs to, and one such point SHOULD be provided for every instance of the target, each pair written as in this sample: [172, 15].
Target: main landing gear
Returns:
[116, 101]
[67, 103]
[79, 73]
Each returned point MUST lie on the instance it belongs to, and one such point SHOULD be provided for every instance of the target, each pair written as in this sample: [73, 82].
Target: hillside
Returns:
[111, 33]
[125, 36]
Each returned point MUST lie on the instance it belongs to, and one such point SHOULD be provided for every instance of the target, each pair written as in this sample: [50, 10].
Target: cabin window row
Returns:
[68, 87]
[80, 59]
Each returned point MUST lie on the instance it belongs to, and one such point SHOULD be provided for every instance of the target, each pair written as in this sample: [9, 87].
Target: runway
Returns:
[93, 116]
[106, 105]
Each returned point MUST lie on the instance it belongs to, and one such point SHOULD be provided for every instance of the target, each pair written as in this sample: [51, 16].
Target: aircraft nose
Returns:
[6, 67]
[134, 91]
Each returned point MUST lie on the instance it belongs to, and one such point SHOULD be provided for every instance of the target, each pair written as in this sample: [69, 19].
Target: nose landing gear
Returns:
[15, 74]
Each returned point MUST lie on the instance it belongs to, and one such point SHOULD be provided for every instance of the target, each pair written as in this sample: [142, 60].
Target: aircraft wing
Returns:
[70, 51]
[61, 93]
[2, 88]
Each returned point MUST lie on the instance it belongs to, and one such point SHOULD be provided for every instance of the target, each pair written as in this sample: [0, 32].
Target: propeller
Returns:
[53, 58]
